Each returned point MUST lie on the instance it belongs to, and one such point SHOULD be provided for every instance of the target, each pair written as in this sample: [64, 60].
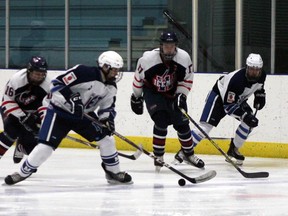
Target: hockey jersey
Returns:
[234, 89]
[90, 84]
[20, 97]
[171, 78]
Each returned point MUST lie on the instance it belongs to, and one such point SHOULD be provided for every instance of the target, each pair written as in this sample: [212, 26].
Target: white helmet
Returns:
[254, 60]
[111, 58]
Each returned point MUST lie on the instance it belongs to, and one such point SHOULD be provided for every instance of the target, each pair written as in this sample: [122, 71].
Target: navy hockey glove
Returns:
[77, 107]
[180, 102]
[109, 126]
[29, 122]
[259, 99]
[250, 120]
[137, 104]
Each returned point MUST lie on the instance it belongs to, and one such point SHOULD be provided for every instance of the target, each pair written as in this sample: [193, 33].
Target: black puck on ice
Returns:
[181, 182]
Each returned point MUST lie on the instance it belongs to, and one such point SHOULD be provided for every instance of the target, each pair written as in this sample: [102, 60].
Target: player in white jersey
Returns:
[229, 96]
[22, 108]
[163, 79]
[81, 90]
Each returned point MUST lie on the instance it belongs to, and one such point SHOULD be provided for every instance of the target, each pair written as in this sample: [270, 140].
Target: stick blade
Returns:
[255, 174]
[205, 177]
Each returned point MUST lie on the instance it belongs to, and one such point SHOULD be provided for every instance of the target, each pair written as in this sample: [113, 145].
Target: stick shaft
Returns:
[199, 179]
[132, 157]
[245, 174]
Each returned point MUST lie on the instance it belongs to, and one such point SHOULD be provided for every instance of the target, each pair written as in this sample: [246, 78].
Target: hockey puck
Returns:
[181, 182]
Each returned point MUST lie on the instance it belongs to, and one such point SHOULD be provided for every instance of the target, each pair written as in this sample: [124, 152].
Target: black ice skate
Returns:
[117, 178]
[18, 153]
[191, 159]
[14, 178]
[158, 165]
[233, 152]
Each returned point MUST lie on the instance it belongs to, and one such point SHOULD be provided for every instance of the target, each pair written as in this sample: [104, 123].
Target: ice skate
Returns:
[234, 154]
[18, 153]
[158, 165]
[14, 178]
[188, 159]
[117, 178]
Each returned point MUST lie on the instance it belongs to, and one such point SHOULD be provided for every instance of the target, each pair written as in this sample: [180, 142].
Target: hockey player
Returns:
[229, 97]
[163, 79]
[81, 90]
[22, 108]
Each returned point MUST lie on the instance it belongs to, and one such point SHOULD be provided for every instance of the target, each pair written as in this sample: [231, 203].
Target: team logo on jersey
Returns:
[69, 78]
[231, 97]
[164, 83]
[25, 98]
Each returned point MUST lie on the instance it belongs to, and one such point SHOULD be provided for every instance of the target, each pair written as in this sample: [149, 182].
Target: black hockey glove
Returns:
[77, 107]
[109, 126]
[137, 104]
[29, 122]
[245, 107]
[259, 99]
[180, 102]
[250, 120]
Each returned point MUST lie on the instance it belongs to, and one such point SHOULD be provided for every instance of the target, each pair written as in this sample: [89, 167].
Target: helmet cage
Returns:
[168, 37]
[254, 63]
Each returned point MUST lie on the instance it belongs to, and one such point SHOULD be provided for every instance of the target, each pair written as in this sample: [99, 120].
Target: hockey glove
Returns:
[77, 107]
[250, 120]
[137, 104]
[259, 99]
[29, 123]
[109, 126]
[245, 107]
[180, 102]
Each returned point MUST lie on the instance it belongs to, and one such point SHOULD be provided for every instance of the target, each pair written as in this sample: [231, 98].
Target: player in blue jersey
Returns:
[81, 90]
[229, 96]
[163, 79]
[22, 107]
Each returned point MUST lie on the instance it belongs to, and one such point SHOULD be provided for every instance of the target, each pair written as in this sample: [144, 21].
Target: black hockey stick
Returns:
[245, 174]
[188, 36]
[134, 156]
[202, 178]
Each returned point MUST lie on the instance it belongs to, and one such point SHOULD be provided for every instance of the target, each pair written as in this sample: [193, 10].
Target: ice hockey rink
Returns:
[72, 183]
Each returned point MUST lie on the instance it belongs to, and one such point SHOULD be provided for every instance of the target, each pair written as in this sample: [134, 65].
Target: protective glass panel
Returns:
[95, 27]
[2, 34]
[147, 24]
[37, 28]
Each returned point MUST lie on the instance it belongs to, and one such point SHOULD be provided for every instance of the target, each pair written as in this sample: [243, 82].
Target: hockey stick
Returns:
[202, 178]
[245, 174]
[188, 36]
[134, 156]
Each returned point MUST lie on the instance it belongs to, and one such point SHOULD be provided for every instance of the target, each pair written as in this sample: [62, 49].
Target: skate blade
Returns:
[115, 182]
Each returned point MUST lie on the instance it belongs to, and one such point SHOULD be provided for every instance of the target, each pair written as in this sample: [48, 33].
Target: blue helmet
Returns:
[37, 63]
[171, 38]
[168, 37]
[37, 70]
